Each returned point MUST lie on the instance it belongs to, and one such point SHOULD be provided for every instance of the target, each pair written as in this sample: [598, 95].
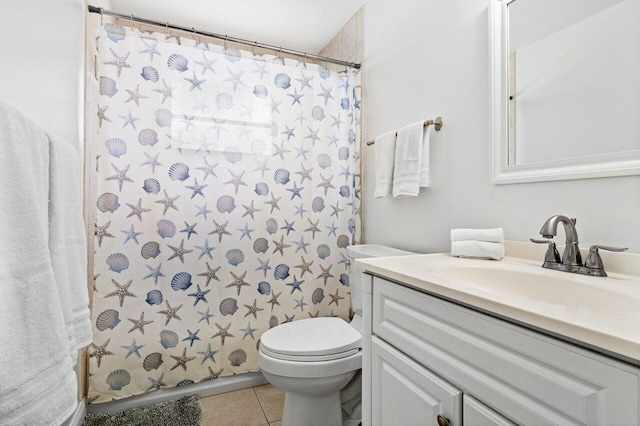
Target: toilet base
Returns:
[311, 401]
[311, 410]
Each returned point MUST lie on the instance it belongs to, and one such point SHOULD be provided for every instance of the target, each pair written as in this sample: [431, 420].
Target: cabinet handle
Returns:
[442, 420]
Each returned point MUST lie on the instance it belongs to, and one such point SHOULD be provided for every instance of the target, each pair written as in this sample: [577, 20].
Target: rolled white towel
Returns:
[477, 249]
[495, 235]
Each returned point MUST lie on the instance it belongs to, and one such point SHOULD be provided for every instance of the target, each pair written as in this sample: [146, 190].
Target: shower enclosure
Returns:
[227, 192]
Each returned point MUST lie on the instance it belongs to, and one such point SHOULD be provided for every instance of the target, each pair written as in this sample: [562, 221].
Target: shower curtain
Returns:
[227, 192]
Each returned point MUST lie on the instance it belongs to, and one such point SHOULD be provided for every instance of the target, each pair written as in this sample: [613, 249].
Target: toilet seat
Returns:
[311, 340]
[302, 369]
[309, 358]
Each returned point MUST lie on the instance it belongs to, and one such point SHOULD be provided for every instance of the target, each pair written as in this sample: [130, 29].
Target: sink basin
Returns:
[537, 284]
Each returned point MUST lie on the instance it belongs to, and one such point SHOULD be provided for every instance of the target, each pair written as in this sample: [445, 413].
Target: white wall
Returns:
[429, 58]
[42, 48]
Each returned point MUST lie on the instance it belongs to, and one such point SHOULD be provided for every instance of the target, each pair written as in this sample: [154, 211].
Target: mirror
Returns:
[566, 89]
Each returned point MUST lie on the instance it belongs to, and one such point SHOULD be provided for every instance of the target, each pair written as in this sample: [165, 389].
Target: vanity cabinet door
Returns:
[405, 393]
[475, 413]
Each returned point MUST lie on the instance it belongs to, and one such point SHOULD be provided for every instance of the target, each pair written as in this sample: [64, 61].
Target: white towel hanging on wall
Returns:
[385, 156]
[411, 168]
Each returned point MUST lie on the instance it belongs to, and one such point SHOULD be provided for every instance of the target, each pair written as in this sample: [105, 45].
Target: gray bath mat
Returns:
[180, 412]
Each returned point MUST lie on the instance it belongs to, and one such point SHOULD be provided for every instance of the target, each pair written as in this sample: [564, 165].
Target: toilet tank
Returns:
[356, 275]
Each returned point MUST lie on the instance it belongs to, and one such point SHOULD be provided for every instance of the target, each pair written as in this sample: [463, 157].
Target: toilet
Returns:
[317, 361]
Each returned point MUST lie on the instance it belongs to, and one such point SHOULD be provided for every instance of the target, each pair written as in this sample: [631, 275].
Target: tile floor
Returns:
[256, 406]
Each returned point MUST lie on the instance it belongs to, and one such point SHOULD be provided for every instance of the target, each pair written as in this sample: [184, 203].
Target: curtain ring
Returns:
[195, 36]
[254, 47]
[166, 28]
[304, 61]
[101, 16]
[133, 26]
[226, 39]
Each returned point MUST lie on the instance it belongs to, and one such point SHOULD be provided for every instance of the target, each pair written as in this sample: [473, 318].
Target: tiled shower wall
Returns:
[348, 43]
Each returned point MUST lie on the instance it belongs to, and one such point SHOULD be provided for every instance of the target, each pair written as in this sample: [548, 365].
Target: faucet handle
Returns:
[594, 261]
[552, 254]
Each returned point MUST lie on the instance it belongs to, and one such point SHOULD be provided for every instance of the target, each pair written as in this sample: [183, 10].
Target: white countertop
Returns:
[604, 314]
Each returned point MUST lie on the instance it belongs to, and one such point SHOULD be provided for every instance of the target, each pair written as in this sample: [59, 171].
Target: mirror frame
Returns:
[609, 165]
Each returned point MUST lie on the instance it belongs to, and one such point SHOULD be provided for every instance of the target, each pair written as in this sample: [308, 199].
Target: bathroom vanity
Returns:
[443, 348]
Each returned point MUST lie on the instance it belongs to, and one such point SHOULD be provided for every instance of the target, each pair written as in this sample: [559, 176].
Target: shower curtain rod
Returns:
[224, 37]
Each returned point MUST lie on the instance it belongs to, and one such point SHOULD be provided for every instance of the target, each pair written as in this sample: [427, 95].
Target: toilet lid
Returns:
[315, 337]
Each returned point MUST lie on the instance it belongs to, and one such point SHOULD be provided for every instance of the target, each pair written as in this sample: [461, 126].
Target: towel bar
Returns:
[437, 124]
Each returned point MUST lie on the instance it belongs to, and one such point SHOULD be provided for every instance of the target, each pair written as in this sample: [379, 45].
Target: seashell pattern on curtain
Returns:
[227, 192]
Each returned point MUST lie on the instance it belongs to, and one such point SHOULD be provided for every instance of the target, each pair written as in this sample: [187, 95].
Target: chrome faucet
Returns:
[571, 258]
[571, 255]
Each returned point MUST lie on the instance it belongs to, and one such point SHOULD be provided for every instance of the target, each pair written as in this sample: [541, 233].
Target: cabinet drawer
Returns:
[531, 378]
[405, 393]
[475, 413]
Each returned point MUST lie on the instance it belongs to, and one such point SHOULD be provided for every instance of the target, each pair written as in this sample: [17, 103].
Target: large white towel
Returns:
[411, 168]
[477, 249]
[493, 235]
[67, 241]
[385, 149]
[38, 385]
